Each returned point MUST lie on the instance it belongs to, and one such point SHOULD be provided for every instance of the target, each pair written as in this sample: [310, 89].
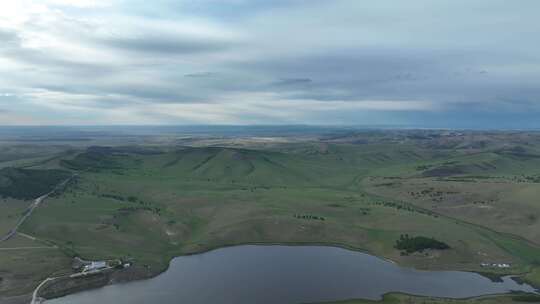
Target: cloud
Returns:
[293, 81]
[80, 3]
[9, 37]
[167, 45]
[239, 61]
[201, 75]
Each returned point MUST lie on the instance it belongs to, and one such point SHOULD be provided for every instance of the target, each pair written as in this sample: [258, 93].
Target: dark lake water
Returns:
[288, 274]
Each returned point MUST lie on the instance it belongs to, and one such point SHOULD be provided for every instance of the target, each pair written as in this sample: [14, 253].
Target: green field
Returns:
[24, 263]
[10, 212]
[151, 203]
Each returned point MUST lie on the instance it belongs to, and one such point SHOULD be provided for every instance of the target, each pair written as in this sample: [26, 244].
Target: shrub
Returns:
[419, 243]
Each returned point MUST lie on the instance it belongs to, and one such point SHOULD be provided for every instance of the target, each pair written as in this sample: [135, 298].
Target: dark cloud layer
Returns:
[171, 45]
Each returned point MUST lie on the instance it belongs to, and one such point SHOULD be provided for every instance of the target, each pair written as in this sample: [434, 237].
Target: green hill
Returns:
[28, 184]
[227, 165]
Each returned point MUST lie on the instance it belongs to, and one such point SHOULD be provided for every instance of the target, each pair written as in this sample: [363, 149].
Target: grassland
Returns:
[149, 204]
[24, 263]
[10, 212]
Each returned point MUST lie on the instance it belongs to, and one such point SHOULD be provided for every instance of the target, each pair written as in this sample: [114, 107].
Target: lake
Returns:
[288, 274]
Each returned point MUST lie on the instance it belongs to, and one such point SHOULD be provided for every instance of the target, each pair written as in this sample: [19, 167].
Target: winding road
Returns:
[30, 209]
[35, 298]
[35, 295]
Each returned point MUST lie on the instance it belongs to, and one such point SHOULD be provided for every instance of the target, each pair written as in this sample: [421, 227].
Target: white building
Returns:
[95, 266]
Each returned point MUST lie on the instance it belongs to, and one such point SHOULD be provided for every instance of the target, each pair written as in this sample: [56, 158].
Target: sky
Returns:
[428, 63]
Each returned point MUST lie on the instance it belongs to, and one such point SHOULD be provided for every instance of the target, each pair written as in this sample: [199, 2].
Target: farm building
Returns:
[95, 266]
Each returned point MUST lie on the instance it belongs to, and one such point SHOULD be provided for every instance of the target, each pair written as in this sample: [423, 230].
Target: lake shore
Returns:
[138, 272]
